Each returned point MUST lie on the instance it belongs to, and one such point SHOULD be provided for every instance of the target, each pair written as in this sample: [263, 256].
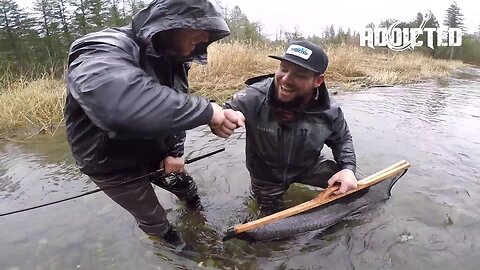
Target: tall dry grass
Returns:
[229, 65]
[39, 103]
[34, 104]
[353, 68]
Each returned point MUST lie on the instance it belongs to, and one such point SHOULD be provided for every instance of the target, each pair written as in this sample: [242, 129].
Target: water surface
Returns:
[431, 221]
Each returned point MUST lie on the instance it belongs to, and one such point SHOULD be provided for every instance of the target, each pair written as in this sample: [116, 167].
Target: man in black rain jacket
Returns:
[128, 107]
[289, 117]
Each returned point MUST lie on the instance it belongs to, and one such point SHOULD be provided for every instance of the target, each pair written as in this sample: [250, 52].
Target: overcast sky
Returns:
[312, 16]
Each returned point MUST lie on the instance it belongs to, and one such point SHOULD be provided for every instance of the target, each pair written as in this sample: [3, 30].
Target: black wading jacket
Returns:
[127, 104]
[280, 152]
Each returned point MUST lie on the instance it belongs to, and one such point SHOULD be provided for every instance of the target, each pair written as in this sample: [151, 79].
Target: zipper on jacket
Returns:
[288, 156]
[301, 146]
[280, 145]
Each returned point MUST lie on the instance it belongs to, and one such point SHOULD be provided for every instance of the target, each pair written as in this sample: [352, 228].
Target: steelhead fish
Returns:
[324, 216]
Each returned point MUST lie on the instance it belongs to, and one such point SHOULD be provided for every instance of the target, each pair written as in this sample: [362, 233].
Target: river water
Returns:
[430, 222]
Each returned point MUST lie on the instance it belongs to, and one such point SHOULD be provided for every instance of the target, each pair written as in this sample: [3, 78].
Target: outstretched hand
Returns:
[347, 181]
[225, 121]
[234, 117]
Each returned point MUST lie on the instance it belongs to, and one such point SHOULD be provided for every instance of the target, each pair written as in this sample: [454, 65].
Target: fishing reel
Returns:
[176, 181]
[182, 185]
[172, 179]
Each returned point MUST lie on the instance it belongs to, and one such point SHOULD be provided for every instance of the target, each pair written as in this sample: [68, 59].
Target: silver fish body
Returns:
[326, 215]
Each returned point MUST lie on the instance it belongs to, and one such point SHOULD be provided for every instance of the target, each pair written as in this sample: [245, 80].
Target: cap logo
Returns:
[299, 51]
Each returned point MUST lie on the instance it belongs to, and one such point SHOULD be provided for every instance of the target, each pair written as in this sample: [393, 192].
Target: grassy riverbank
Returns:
[38, 104]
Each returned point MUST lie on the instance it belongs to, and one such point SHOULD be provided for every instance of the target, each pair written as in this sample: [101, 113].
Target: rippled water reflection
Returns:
[430, 222]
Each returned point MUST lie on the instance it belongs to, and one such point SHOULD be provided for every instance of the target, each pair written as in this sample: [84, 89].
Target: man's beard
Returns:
[295, 103]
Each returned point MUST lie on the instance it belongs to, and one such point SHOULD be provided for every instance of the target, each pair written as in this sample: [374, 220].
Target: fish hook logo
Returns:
[400, 39]
[409, 44]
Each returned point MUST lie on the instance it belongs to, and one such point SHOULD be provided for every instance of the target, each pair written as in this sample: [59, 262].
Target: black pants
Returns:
[140, 200]
[269, 192]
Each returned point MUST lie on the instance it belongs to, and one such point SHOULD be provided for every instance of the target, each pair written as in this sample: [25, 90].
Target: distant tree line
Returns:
[32, 42]
[41, 38]
[469, 51]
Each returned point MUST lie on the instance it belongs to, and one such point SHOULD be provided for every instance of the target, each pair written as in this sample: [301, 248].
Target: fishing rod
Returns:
[187, 161]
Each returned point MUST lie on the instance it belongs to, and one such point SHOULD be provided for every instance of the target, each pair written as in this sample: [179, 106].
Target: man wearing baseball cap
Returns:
[289, 117]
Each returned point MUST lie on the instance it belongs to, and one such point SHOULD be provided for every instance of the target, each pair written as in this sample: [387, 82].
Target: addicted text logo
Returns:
[400, 39]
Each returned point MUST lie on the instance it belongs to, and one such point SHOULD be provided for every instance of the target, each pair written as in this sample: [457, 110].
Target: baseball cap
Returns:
[306, 55]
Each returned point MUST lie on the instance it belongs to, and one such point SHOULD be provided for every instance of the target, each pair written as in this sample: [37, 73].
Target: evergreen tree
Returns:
[454, 17]
[114, 14]
[477, 33]
[13, 22]
[98, 11]
[292, 36]
[81, 21]
[64, 17]
[387, 23]
[241, 28]
[329, 33]
[431, 23]
[47, 25]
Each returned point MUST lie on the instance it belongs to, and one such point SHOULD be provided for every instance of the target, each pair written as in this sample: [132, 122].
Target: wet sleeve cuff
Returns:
[351, 167]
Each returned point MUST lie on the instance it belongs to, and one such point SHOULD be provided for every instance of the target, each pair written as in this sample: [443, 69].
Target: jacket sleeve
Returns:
[120, 97]
[341, 143]
[177, 145]
[243, 101]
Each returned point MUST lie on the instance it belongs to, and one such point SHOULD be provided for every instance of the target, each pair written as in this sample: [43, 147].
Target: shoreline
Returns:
[34, 107]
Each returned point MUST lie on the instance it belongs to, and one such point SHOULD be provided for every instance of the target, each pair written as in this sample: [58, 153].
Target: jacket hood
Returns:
[163, 15]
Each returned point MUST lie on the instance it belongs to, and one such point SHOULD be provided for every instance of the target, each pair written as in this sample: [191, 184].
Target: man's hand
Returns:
[347, 181]
[218, 115]
[234, 117]
[224, 122]
[173, 165]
